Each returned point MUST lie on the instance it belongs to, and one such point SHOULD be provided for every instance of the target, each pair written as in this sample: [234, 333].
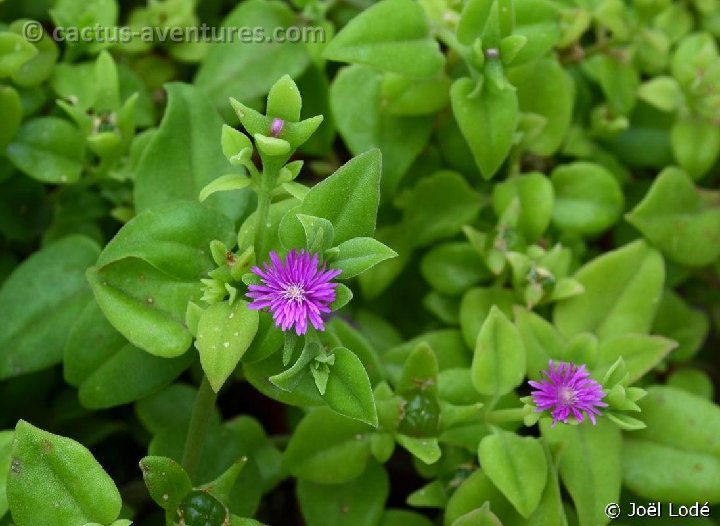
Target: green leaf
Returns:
[677, 457]
[478, 517]
[49, 469]
[451, 268]
[328, 448]
[536, 197]
[284, 100]
[100, 370]
[679, 219]
[499, 361]
[224, 183]
[14, 52]
[542, 341]
[48, 149]
[545, 88]
[640, 352]
[474, 17]
[696, 145]
[150, 270]
[678, 321]
[661, 92]
[420, 371]
[6, 441]
[487, 120]
[618, 78]
[406, 96]
[438, 207]
[589, 466]
[166, 481]
[319, 233]
[398, 517]
[348, 199]
[38, 303]
[224, 334]
[359, 254]
[538, 22]
[517, 466]
[476, 489]
[625, 304]
[359, 502]
[11, 109]
[258, 374]
[475, 307]
[348, 389]
[365, 121]
[185, 155]
[392, 35]
[247, 70]
[588, 198]
[426, 449]
[145, 305]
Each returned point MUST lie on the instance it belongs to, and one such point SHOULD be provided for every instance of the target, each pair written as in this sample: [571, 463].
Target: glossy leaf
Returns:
[517, 466]
[589, 466]
[438, 207]
[359, 502]
[166, 481]
[536, 198]
[451, 268]
[696, 145]
[499, 360]
[38, 303]
[348, 389]
[185, 155]
[359, 254]
[625, 304]
[151, 269]
[327, 448]
[247, 70]
[50, 468]
[487, 120]
[48, 149]
[678, 219]
[100, 370]
[348, 199]
[545, 89]
[224, 334]
[640, 352]
[475, 307]
[392, 35]
[364, 122]
[677, 456]
[11, 109]
[588, 198]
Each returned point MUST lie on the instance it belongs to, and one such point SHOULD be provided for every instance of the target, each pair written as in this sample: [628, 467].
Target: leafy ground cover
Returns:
[336, 262]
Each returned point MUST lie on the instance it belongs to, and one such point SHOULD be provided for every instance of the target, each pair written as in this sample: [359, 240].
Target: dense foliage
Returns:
[436, 262]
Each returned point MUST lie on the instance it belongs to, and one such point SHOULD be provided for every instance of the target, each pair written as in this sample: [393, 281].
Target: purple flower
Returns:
[276, 127]
[568, 390]
[295, 290]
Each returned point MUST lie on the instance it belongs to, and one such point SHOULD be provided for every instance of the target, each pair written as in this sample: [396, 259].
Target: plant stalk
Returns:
[199, 420]
[502, 416]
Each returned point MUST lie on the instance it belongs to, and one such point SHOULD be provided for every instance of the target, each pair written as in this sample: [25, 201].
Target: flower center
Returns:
[567, 395]
[294, 292]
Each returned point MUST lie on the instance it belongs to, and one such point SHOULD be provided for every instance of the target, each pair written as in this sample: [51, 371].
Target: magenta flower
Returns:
[295, 290]
[276, 127]
[568, 391]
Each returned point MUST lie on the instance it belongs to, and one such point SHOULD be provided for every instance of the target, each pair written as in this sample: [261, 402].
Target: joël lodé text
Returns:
[662, 509]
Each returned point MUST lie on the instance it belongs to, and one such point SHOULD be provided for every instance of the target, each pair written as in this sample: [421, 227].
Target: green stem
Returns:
[263, 212]
[202, 412]
[503, 416]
